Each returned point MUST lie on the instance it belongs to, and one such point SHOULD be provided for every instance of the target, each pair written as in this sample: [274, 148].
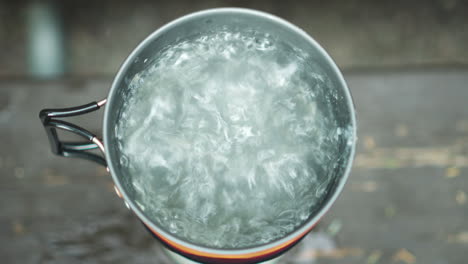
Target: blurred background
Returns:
[406, 65]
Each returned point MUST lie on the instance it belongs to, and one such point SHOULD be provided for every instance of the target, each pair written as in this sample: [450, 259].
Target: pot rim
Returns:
[293, 236]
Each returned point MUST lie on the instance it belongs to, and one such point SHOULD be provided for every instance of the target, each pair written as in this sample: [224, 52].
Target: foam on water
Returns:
[225, 140]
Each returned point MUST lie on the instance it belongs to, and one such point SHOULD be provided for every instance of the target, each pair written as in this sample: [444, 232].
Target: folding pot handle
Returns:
[50, 118]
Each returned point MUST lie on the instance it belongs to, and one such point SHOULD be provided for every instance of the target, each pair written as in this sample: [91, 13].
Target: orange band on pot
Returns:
[253, 255]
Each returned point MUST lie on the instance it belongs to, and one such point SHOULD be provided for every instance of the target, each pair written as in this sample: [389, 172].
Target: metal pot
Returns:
[161, 38]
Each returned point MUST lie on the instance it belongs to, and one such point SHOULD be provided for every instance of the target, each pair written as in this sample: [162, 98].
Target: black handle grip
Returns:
[50, 120]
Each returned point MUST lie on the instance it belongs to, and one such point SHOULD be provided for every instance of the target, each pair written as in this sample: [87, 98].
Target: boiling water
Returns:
[225, 140]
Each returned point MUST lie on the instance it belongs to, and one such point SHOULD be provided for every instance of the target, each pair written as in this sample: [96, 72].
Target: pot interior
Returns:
[333, 99]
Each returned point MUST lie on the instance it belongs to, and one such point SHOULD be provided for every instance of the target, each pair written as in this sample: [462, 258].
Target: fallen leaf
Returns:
[390, 211]
[460, 197]
[388, 158]
[18, 228]
[51, 177]
[338, 253]
[392, 164]
[369, 142]
[461, 237]
[367, 186]
[452, 172]
[334, 227]
[374, 257]
[405, 256]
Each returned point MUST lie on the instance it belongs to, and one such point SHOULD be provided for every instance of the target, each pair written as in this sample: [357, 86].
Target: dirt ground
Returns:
[405, 201]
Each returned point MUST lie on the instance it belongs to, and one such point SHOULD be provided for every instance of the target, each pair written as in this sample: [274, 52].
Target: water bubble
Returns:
[123, 161]
[224, 135]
